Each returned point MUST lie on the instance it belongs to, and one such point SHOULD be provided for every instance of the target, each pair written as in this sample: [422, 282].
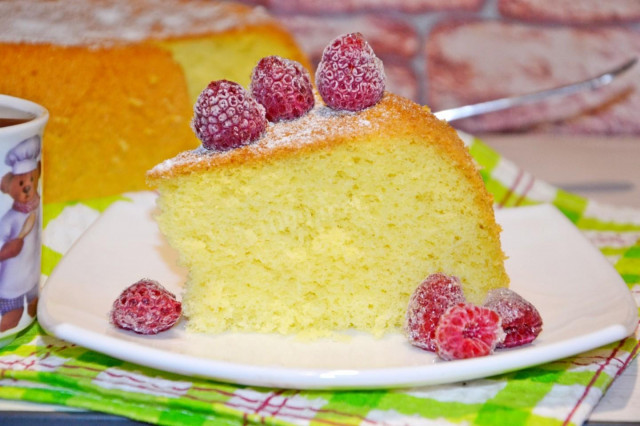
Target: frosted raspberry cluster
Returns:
[439, 319]
[349, 77]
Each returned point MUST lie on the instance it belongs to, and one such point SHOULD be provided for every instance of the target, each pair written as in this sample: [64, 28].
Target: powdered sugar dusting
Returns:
[320, 126]
[105, 22]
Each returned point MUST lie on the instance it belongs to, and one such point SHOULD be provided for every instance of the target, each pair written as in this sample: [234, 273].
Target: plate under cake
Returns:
[583, 300]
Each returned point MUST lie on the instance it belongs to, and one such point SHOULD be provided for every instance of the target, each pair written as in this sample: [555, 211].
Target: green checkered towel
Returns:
[38, 367]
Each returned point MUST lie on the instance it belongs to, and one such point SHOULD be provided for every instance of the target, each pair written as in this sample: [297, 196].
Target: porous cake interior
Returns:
[332, 239]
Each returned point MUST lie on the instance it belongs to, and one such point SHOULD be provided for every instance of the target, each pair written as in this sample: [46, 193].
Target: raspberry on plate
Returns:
[282, 87]
[350, 76]
[468, 331]
[227, 117]
[521, 321]
[427, 304]
[145, 307]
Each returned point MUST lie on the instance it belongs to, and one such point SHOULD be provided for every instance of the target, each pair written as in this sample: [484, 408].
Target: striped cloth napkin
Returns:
[38, 367]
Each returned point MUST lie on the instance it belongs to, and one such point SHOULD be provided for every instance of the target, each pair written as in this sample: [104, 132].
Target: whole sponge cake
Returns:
[120, 77]
[328, 222]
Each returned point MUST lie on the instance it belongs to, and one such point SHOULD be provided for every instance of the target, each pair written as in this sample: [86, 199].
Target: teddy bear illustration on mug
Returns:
[20, 234]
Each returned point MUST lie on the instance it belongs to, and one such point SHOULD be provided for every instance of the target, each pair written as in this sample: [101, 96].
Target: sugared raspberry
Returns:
[145, 307]
[350, 76]
[521, 321]
[227, 117]
[427, 304]
[467, 331]
[282, 87]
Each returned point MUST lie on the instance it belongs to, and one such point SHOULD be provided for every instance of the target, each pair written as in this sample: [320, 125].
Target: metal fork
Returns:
[513, 101]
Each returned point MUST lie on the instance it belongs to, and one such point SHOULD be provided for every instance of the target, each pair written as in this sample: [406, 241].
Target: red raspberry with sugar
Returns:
[282, 87]
[227, 117]
[350, 76]
[467, 331]
[145, 307]
[427, 304]
[521, 321]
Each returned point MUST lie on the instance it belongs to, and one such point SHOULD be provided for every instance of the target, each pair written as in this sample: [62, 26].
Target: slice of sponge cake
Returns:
[328, 223]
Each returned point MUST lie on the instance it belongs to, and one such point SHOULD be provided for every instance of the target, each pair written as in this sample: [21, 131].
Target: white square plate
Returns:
[582, 299]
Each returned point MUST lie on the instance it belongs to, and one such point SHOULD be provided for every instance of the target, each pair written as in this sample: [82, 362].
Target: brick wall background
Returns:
[446, 53]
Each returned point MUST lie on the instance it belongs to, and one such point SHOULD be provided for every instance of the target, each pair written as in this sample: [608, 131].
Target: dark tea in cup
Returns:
[11, 117]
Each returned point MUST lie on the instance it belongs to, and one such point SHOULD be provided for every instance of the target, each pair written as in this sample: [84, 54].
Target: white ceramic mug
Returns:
[21, 128]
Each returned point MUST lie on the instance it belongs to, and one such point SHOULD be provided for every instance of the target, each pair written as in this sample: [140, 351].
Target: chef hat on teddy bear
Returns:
[24, 157]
